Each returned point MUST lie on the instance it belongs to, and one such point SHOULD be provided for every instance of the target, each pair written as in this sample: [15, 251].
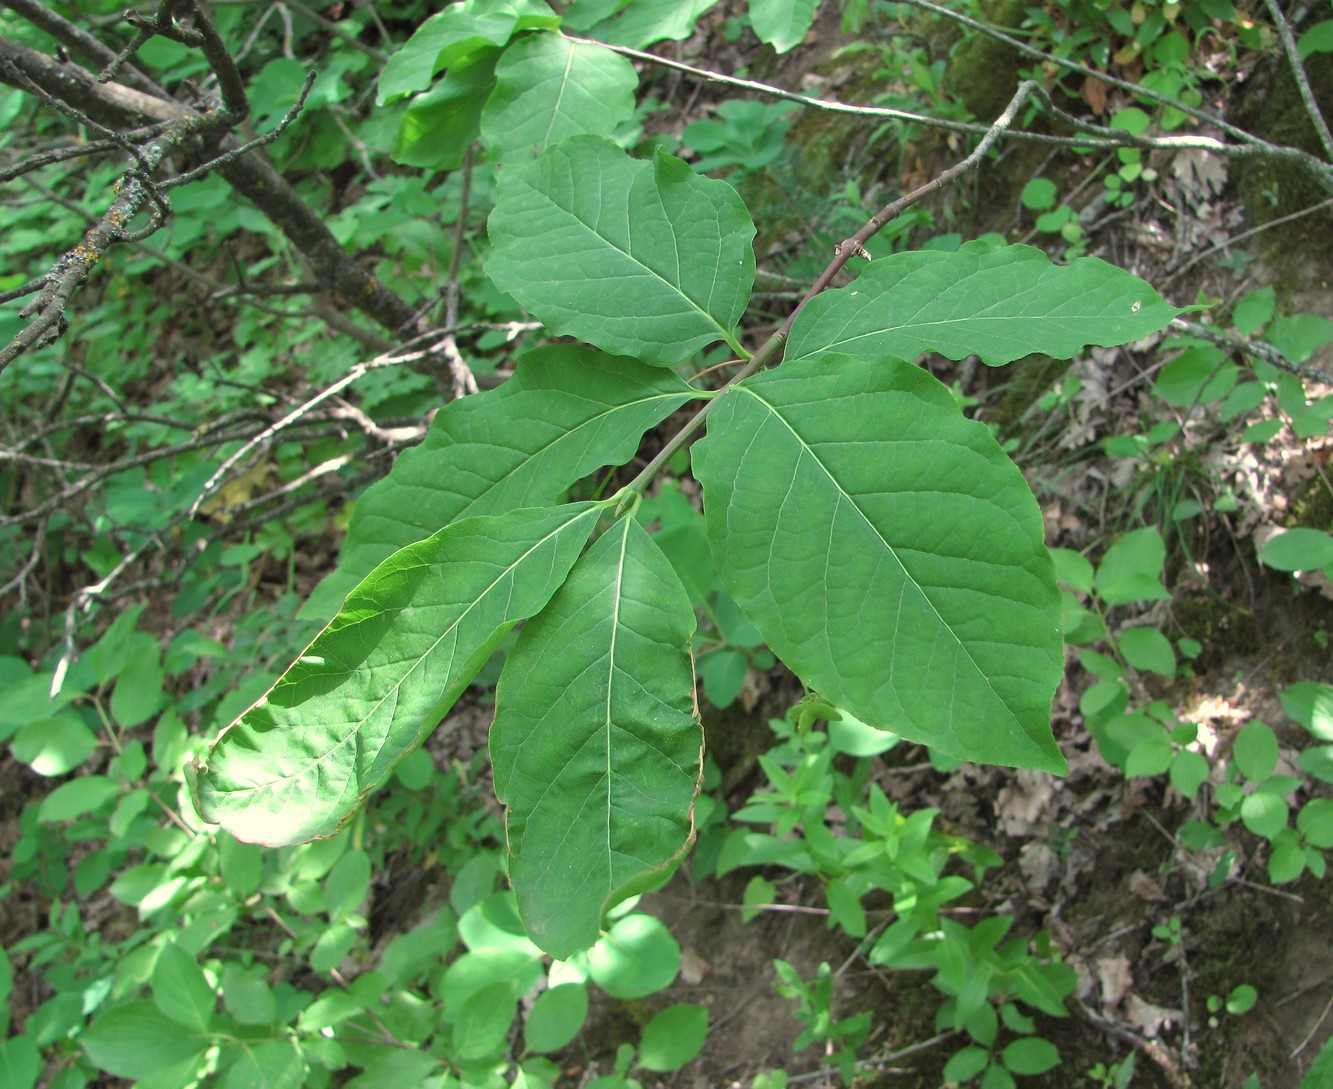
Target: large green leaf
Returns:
[455, 38]
[643, 258]
[549, 88]
[1000, 304]
[565, 413]
[406, 644]
[889, 552]
[597, 745]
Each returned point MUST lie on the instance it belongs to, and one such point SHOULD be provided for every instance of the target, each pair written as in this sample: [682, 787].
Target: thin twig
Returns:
[855, 245]
[1257, 348]
[1231, 240]
[1299, 74]
[307, 406]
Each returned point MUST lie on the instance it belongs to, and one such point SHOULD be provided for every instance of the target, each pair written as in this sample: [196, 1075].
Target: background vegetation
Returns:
[242, 273]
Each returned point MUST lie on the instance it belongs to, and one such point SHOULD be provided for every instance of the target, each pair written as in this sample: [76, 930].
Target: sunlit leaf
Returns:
[408, 641]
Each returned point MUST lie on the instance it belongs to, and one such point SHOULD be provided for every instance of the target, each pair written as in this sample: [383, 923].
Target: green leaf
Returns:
[482, 1024]
[556, 1017]
[1038, 195]
[760, 892]
[248, 998]
[1318, 39]
[347, 885]
[1311, 704]
[1030, 1055]
[54, 746]
[597, 748]
[1315, 822]
[77, 797]
[20, 1062]
[565, 413]
[1320, 1074]
[1255, 751]
[1318, 762]
[1264, 814]
[135, 1040]
[549, 88]
[1253, 311]
[1149, 757]
[644, 22]
[407, 643]
[673, 1037]
[783, 24]
[1285, 863]
[1147, 649]
[723, 672]
[999, 304]
[439, 126]
[890, 553]
[181, 991]
[966, 1064]
[1299, 549]
[1189, 771]
[643, 258]
[636, 957]
[1131, 570]
[139, 688]
[454, 37]
[265, 1064]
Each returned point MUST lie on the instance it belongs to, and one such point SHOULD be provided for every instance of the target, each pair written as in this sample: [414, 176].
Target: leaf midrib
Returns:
[844, 494]
[355, 731]
[678, 289]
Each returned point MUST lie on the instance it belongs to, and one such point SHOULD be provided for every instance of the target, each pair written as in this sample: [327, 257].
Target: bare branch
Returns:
[1301, 77]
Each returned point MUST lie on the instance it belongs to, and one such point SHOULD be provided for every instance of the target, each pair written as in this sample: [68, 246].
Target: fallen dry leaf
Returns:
[1145, 888]
[1116, 980]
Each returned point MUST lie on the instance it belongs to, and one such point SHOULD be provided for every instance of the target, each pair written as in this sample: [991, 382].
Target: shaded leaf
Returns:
[549, 88]
[597, 746]
[783, 24]
[440, 125]
[890, 553]
[406, 644]
[643, 258]
[566, 412]
[673, 1037]
[999, 304]
[556, 1017]
[643, 22]
[135, 1040]
[266, 1064]
[456, 37]
[181, 991]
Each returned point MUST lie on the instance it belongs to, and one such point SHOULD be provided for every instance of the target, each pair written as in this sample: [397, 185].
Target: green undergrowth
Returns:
[230, 768]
